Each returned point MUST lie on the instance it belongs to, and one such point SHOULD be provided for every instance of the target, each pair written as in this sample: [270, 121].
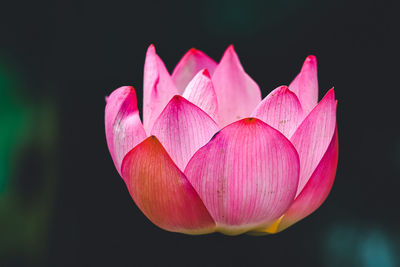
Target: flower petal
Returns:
[313, 136]
[200, 91]
[183, 128]
[158, 88]
[237, 93]
[162, 192]
[246, 175]
[191, 63]
[124, 130]
[280, 109]
[314, 193]
[305, 85]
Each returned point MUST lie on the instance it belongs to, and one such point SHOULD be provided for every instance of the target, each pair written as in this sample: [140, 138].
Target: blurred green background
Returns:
[63, 204]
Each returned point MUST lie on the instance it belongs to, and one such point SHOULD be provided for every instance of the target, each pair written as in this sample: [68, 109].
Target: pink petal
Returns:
[314, 193]
[191, 63]
[124, 129]
[158, 88]
[313, 136]
[237, 93]
[317, 188]
[200, 91]
[183, 128]
[246, 175]
[281, 109]
[162, 192]
[305, 85]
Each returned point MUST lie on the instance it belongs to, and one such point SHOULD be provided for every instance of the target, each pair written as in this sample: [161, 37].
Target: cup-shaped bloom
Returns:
[212, 156]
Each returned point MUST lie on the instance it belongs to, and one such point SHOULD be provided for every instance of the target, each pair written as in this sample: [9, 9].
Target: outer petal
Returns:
[158, 88]
[305, 85]
[246, 175]
[183, 128]
[124, 129]
[313, 136]
[314, 193]
[191, 63]
[282, 110]
[237, 93]
[200, 91]
[162, 192]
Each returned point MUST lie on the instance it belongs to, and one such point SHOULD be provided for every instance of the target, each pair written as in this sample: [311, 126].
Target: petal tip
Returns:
[311, 59]
[153, 138]
[153, 141]
[331, 93]
[206, 73]
[230, 50]
[283, 89]
[192, 51]
[122, 93]
[151, 49]
[250, 120]
[177, 98]
[127, 88]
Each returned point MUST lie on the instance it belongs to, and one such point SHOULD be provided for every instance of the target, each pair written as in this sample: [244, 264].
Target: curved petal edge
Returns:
[162, 192]
[314, 193]
[280, 109]
[191, 63]
[246, 175]
[313, 136]
[182, 129]
[158, 88]
[200, 91]
[305, 85]
[237, 93]
[124, 130]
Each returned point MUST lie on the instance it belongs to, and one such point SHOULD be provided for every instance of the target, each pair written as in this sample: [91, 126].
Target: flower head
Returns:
[211, 155]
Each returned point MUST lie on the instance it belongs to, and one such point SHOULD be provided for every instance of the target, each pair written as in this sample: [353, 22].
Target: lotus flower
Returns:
[212, 156]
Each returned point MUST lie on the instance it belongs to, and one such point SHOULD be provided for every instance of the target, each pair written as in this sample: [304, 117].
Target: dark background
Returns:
[62, 202]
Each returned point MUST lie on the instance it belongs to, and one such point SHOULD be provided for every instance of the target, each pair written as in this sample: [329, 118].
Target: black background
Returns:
[71, 54]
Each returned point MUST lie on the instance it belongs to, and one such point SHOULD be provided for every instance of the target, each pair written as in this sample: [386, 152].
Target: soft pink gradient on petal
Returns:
[200, 91]
[124, 129]
[237, 93]
[305, 85]
[183, 128]
[314, 193]
[280, 109]
[191, 63]
[158, 88]
[162, 192]
[317, 188]
[313, 136]
[247, 175]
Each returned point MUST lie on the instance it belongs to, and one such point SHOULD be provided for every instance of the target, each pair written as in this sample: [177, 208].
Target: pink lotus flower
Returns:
[212, 156]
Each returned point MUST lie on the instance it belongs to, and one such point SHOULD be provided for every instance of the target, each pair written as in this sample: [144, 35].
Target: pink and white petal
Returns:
[124, 130]
[280, 109]
[305, 85]
[237, 93]
[246, 175]
[313, 136]
[162, 192]
[191, 63]
[200, 91]
[317, 188]
[158, 88]
[314, 193]
[182, 129]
